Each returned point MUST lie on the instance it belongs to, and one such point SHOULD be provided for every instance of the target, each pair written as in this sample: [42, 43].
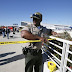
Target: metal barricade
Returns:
[61, 63]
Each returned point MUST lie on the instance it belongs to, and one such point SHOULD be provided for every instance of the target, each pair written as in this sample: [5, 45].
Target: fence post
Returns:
[66, 56]
[63, 56]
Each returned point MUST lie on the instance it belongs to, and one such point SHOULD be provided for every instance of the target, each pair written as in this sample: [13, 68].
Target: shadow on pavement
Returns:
[5, 54]
[9, 60]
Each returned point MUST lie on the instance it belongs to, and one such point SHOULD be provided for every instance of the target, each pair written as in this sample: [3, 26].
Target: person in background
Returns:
[13, 30]
[33, 52]
[3, 32]
[7, 32]
[17, 29]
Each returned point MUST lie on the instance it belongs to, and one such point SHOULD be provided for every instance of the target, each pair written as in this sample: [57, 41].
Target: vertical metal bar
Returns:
[66, 56]
[62, 58]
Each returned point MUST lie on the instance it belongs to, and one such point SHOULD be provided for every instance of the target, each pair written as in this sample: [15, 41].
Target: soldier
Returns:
[33, 53]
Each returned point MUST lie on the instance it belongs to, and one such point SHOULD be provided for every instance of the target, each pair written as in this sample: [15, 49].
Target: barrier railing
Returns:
[64, 47]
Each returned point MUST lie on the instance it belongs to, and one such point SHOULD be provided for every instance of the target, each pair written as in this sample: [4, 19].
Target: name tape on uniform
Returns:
[18, 42]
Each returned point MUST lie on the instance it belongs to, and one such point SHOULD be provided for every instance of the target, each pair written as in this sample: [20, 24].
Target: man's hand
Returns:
[55, 33]
[43, 39]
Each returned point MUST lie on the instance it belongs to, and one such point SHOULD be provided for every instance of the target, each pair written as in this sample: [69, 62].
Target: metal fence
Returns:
[65, 51]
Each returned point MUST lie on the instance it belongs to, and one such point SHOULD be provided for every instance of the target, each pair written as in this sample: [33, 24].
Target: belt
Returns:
[34, 51]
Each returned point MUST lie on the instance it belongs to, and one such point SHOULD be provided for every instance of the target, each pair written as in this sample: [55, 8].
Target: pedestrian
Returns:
[7, 32]
[17, 29]
[13, 30]
[3, 32]
[32, 52]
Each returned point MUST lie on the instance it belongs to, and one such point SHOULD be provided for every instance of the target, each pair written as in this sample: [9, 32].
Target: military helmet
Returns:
[37, 15]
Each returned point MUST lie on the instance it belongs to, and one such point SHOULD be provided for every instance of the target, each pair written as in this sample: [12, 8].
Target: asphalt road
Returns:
[11, 57]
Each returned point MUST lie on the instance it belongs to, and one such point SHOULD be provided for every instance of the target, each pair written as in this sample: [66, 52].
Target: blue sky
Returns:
[54, 11]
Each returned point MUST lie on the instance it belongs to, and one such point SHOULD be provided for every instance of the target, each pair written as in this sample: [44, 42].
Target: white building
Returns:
[24, 23]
